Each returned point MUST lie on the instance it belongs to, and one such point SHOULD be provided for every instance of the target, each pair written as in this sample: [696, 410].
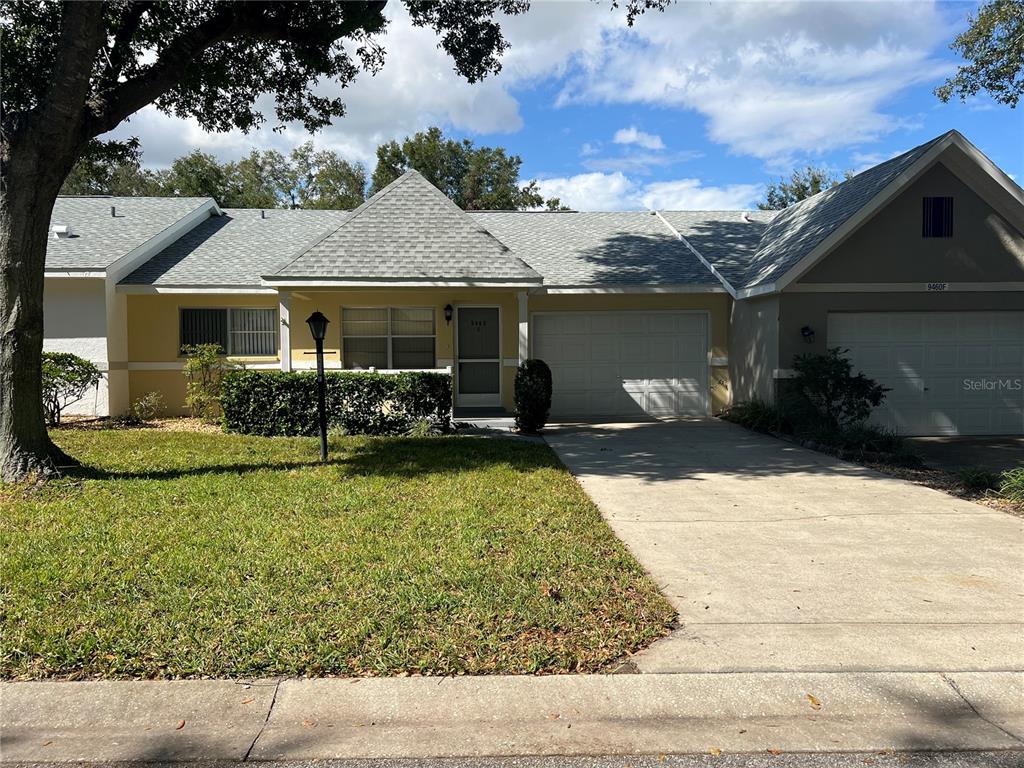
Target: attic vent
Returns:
[61, 231]
[746, 218]
[937, 219]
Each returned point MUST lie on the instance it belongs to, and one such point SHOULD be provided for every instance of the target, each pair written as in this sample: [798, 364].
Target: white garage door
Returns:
[624, 364]
[951, 373]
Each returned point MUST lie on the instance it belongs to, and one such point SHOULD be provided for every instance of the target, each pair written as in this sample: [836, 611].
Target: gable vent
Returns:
[937, 218]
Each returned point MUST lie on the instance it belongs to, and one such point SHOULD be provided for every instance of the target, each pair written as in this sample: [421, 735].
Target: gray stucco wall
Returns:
[753, 347]
[890, 249]
[799, 309]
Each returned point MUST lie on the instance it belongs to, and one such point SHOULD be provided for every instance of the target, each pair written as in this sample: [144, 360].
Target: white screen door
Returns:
[478, 350]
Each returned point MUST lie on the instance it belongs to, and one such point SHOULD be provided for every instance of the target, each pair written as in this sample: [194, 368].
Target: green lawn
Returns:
[177, 554]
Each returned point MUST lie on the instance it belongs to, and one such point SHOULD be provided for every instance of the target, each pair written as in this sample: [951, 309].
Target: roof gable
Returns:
[99, 238]
[804, 233]
[408, 232]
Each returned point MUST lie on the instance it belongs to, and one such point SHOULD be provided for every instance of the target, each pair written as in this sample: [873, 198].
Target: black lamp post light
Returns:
[318, 328]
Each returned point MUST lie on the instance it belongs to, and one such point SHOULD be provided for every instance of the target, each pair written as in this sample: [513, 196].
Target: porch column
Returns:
[524, 326]
[284, 307]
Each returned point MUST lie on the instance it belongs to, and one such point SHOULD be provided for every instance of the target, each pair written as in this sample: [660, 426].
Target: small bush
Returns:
[205, 367]
[148, 407]
[839, 399]
[977, 480]
[1011, 485]
[532, 395]
[759, 416]
[272, 403]
[66, 379]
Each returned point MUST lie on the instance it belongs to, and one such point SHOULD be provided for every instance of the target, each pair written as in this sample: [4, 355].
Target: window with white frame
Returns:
[388, 337]
[240, 332]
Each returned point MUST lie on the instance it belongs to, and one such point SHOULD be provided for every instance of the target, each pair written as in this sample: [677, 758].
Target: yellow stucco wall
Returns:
[153, 327]
[305, 302]
[715, 304]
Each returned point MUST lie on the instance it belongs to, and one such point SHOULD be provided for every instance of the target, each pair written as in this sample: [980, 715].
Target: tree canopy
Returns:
[475, 178]
[479, 178]
[305, 178]
[802, 183]
[993, 46]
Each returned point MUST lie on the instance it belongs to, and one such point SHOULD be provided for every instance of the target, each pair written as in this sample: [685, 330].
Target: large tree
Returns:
[993, 46]
[475, 178]
[73, 71]
[802, 183]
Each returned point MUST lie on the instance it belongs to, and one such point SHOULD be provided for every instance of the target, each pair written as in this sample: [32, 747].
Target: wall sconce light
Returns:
[448, 312]
[808, 333]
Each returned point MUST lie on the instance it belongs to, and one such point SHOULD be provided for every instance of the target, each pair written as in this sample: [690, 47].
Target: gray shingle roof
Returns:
[409, 231]
[101, 239]
[237, 248]
[799, 229]
[569, 248]
[727, 239]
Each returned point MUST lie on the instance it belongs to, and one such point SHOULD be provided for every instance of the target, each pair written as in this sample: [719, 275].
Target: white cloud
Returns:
[632, 136]
[779, 81]
[616, 192]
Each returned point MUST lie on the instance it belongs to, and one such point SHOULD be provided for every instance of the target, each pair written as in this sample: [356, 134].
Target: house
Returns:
[916, 266]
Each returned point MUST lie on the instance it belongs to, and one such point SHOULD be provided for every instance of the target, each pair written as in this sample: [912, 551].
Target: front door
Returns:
[478, 356]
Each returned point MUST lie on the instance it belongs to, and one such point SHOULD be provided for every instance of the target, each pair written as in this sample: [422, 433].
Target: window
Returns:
[382, 337]
[238, 332]
[938, 217]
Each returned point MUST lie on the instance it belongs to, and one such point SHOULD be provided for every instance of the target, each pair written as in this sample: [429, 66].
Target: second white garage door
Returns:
[950, 373]
[624, 364]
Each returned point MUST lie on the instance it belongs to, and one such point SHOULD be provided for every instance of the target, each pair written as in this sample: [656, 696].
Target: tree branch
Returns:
[81, 35]
[233, 21]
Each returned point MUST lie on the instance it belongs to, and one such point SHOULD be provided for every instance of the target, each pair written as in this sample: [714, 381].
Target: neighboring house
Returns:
[916, 266]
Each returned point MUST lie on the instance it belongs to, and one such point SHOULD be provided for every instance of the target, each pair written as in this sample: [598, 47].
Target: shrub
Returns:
[205, 367]
[977, 479]
[148, 407]
[66, 379]
[759, 416]
[1011, 485]
[861, 442]
[838, 398]
[532, 395]
[273, 403]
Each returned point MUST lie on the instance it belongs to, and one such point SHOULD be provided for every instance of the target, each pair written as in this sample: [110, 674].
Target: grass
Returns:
[176, 554]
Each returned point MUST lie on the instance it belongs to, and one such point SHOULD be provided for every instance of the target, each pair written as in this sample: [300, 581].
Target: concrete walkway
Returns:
[495, 716]
[783, 559]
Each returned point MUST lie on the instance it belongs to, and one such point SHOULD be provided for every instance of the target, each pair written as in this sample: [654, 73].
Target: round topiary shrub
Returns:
[533, 395]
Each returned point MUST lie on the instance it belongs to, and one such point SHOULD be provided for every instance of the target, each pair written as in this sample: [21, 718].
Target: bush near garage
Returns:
[532, 395]
[278, 403]
[825, 408]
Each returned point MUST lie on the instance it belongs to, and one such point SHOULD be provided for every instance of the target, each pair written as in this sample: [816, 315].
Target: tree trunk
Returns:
[28, 190]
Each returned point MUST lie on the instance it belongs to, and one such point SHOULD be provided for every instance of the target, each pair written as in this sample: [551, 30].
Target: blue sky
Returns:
[697, 107]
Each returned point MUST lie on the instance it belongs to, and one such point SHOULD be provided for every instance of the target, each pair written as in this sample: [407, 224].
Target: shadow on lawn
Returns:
[391, 457]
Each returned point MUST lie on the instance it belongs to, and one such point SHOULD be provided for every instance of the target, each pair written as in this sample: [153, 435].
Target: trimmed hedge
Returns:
[277, 403]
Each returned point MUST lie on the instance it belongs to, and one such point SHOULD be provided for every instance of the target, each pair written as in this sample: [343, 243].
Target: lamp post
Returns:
[318, 328]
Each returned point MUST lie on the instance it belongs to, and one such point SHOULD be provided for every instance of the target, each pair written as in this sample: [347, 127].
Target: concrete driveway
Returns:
[783, 559]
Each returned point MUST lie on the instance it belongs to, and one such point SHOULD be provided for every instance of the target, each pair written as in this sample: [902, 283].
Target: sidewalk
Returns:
[495, 716]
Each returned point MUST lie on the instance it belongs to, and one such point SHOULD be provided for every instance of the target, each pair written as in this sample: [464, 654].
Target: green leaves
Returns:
[993, 46]
[66, 379]
[475, 178]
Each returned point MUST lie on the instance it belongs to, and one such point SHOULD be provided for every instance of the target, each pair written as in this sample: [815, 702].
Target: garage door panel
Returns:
[627, 364]
[949, 373]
